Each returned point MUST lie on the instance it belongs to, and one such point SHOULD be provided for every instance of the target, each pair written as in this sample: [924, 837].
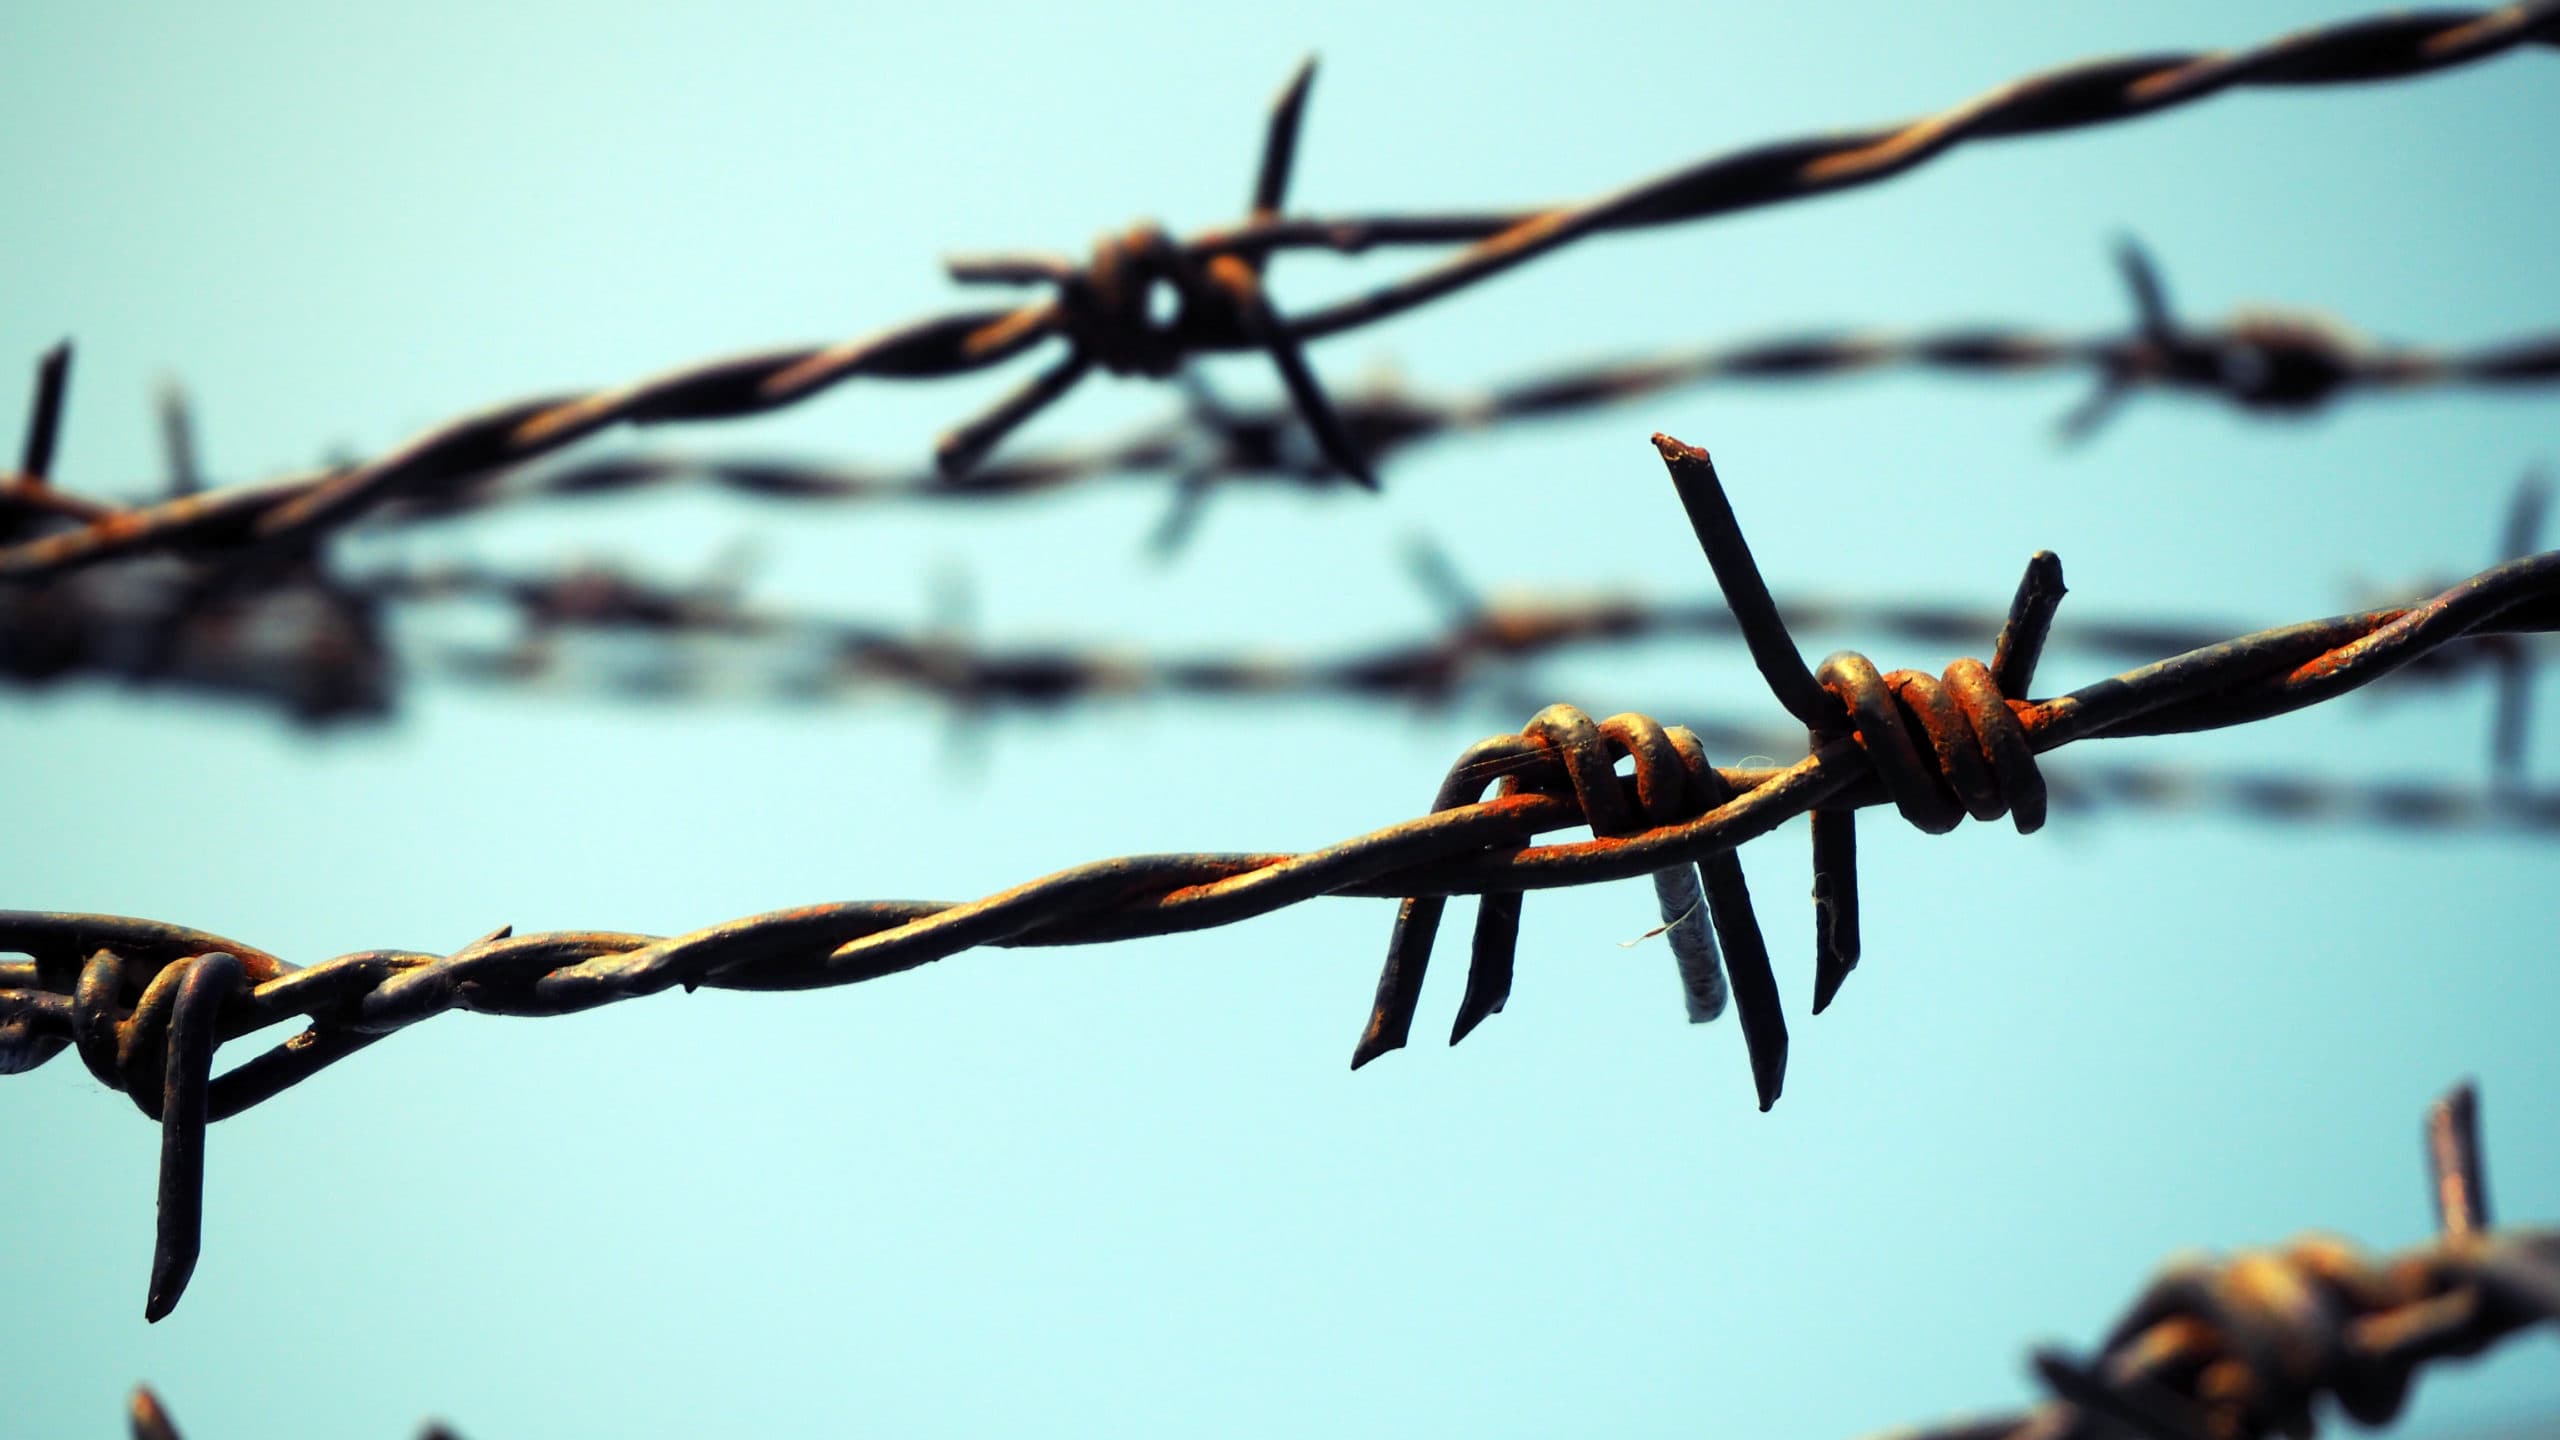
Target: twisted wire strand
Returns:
[121, 991]
[2266, 362]
[2246, 1346]
[1102, 310]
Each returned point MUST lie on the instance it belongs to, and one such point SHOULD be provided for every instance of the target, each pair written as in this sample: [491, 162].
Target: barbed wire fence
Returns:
[2248, 1346]
[147, 1005]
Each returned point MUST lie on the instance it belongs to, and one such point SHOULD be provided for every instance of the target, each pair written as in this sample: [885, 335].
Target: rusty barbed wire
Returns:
[2266, 362]
[299, 642]
[147, 1004]
[2244, 1348]
[1103, 311]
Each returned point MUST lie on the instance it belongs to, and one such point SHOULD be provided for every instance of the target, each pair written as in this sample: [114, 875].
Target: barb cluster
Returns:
[1104, 311]
[146, 1004]
[2246, 1347]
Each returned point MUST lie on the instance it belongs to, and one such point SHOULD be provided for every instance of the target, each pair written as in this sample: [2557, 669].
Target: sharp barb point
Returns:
[2150, 295]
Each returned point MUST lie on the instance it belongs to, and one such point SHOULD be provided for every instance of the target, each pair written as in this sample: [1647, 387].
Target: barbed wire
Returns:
[1104, 311]
[146, 1004]
[2264, 362]
[320, 651]
[317, 644]
[300, 642]
[2246, 1347]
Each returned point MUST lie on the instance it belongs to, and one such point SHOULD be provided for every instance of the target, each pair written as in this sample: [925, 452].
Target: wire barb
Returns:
[2461, 1188]
[2247, 1347]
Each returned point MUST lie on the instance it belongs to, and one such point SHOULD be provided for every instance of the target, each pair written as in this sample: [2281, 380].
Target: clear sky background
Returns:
[1133, 1189]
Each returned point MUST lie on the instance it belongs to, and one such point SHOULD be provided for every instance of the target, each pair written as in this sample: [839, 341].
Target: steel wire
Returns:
[120, 990]
[2266, 362]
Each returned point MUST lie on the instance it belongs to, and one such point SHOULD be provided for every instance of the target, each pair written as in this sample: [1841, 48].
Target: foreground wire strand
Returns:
[1102, 311]
[2247, 1346]
[121, 991]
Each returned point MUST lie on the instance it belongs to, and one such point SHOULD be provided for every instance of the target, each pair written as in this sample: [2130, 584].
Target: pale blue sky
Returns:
[1133, 1189]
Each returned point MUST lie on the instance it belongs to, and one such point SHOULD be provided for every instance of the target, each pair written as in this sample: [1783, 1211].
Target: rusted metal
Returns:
[2250, 1346]
[118, 989]
[2453, 1158]
[1101, 312]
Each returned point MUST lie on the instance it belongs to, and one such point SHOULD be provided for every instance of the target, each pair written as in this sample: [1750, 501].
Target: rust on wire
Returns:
[2250, 1346]
[1103, 312]
[2246, 1347]
[122, 991]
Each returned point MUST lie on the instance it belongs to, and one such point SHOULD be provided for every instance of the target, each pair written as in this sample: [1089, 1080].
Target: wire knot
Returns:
[2281, 362]
[1976, 759]
[160, 1053]
[1109, 307]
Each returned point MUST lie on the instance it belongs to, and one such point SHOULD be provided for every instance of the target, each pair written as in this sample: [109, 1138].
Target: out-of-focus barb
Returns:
[2516, 661]
[2250, 1346]
[2454, 1163]
[151, 1421]
[29, 495]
